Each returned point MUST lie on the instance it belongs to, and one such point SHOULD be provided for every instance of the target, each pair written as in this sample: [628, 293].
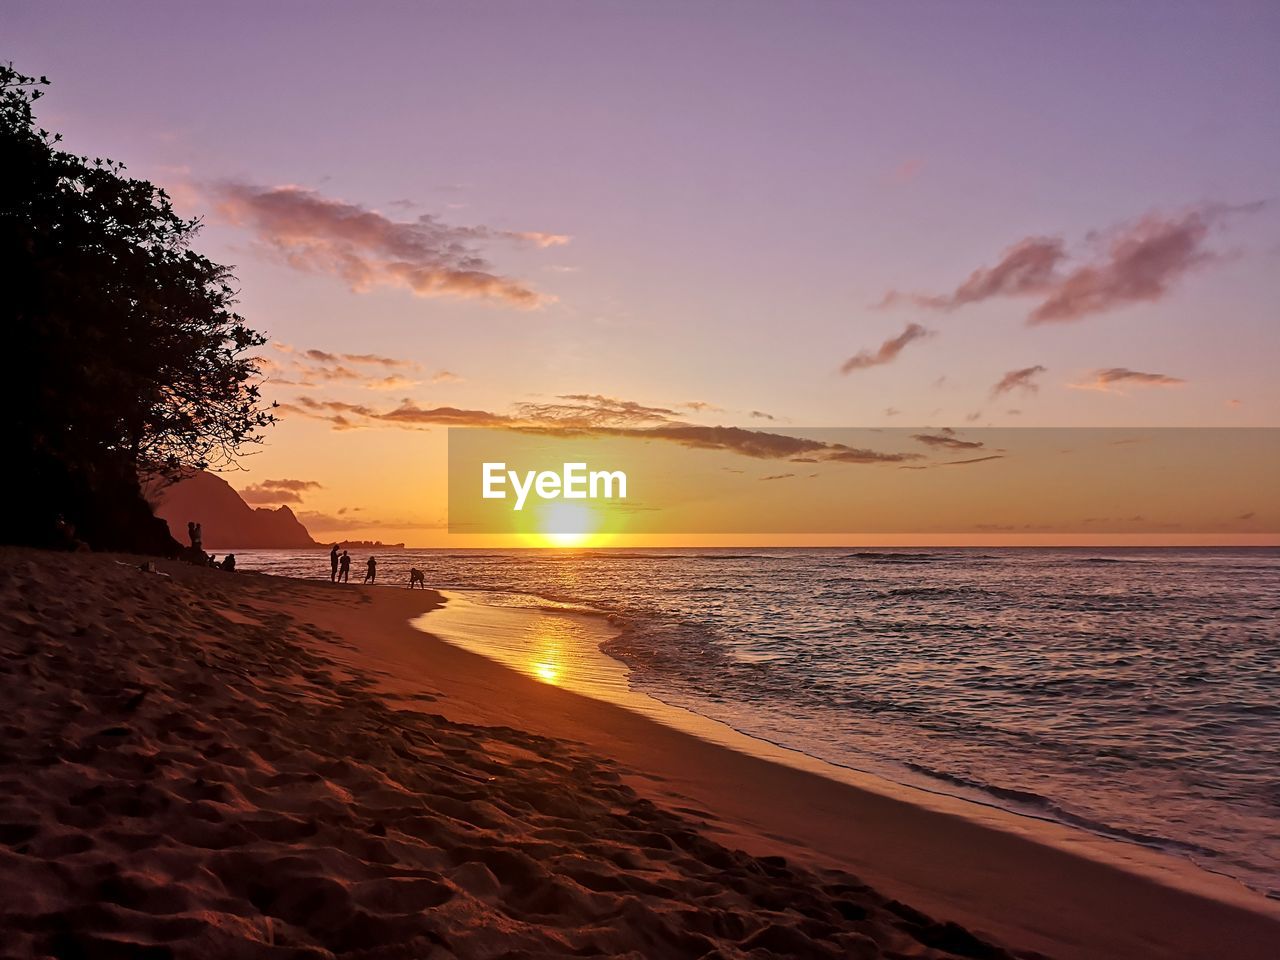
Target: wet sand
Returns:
[229, 765]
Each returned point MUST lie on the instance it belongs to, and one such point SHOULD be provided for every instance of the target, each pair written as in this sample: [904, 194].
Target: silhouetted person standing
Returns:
[372, 575]
[344, 567]
[196, 536]
[333, 563]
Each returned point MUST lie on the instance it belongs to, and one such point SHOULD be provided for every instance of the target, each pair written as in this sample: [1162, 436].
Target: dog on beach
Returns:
[416, 576]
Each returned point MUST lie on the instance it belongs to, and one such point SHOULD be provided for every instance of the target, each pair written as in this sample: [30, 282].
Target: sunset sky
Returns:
[762, 215]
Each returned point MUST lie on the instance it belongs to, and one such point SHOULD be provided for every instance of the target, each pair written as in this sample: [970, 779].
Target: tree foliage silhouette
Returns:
[128, 353]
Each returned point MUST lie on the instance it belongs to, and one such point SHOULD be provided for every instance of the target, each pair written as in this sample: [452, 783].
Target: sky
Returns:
[761, 215]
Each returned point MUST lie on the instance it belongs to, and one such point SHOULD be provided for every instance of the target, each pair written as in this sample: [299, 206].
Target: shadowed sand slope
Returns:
[183, 772]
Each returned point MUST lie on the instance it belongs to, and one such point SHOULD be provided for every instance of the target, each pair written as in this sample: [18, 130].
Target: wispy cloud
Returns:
[887, 351]
[859, 455]
[367, 249]
[1135, 262]
[278, 491]
[392, 382]
[352, 416]
[595, 410]
[1113, 378]
[1029, 266]
[537, 237]
[947, 439]
[593, 415]
[962, 463]
[325, 356]
[1023, 380]
[954, 463]
[313, 367]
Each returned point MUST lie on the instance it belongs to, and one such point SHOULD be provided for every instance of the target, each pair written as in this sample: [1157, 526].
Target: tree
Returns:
[128, 354]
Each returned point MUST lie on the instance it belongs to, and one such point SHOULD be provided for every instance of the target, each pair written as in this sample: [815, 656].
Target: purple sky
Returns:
[742, 185]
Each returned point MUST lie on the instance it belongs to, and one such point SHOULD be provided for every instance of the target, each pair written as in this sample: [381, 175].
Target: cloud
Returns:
[843, 454]
[255, 494]
[373, 358]
[593, 409]
[1135, 262]
[592, 415]
[1023, 379]
[887, 352]
[392, 382]
[296, 485]
[540, 239]
[446, 376]
[324, 356]
[955, 463]
[1029, 266]
[761, 415]
[762, 445]
[961, 463]
[410, 414]
[1109, 379]
[351, 416]
[367, 249]
[1141, 263]
[313, 367]
[778, 476]
[946, 439]
[278, 491]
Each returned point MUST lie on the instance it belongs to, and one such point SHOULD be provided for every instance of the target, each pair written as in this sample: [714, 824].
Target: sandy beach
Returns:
[204, 764]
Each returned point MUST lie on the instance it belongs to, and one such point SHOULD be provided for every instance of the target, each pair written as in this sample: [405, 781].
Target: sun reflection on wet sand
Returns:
[558, 648]
[546, 664]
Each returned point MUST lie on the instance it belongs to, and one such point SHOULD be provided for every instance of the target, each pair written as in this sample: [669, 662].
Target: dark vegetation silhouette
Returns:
[127, 357]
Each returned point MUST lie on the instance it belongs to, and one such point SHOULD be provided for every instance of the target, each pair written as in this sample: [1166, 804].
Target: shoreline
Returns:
[461, 621]
[276, 751]
[1139, 902]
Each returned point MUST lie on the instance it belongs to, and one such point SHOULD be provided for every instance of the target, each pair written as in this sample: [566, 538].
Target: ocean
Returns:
[1134, 693]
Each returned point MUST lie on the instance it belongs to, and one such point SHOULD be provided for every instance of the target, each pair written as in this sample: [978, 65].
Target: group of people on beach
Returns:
[196, 535]
[339, 562]
[340, 567]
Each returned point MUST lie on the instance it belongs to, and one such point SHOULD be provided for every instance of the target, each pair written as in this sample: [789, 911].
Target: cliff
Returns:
[227, 522]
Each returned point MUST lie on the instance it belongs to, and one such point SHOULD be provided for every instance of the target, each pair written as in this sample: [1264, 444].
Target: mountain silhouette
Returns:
[228, 522]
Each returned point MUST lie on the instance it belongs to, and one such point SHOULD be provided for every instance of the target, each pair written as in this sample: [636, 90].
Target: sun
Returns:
[562, 524]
